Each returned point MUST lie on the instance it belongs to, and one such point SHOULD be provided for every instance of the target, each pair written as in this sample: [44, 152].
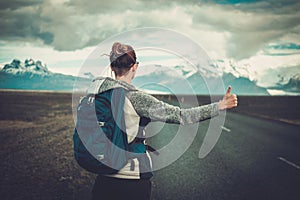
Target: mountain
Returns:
[178, 80]
[34, 75]
[291, 86]
[16, 67]
[243, 85]
[282, 80]
[294, 84]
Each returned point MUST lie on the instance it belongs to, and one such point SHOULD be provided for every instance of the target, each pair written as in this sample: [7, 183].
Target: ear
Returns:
[111, 68]
[134, 67]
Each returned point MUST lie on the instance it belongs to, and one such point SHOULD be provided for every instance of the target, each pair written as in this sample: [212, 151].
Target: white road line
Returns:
[289, 162]
[225, 129]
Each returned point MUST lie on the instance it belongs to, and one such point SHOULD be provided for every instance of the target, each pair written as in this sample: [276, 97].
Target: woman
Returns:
[139, 109]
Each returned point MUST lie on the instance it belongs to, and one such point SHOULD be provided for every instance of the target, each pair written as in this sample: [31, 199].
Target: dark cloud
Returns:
[249, 26]
[235, 1]
[47, 37]
[121, 6]
[271, 6]
[16, 4]
[21, 20]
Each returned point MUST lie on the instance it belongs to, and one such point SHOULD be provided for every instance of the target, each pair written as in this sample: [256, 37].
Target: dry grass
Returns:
[36, 150]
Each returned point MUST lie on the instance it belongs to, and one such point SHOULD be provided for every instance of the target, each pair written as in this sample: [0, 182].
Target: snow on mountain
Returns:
[243, 77]
[290, 87]
[181, 80]
[34, 75]
[294, 83]
[236, 69]
[245, 80]
[29, 66]
[277, 81]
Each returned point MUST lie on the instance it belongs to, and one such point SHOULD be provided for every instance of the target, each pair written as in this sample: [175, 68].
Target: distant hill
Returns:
[293, 85]
[243, 86]
[180, 81]
[34, 75]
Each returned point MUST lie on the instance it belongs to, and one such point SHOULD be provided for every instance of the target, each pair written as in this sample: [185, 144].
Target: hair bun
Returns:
[122, 55]
[119, 49]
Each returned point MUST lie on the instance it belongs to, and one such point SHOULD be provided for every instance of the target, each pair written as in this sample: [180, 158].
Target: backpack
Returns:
[100, 139]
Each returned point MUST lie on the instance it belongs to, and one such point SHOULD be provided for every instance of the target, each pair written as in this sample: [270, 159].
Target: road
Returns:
[253, 159]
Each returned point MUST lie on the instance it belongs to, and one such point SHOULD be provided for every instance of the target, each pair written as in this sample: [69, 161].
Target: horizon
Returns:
[213, 96]
[154, 85]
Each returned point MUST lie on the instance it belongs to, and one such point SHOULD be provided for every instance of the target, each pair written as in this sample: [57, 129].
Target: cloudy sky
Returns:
[259, 35]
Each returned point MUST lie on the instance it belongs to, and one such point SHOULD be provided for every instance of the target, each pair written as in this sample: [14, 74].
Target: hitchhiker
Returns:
[132, 181]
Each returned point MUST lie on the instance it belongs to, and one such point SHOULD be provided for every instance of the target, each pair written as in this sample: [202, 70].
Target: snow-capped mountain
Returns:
[29, 66]
[34, 75]
[180, 80]
[294, 84]
[244, 79]
[291, 87]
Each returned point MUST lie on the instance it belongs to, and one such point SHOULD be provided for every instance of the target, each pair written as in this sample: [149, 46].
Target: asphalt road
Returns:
[253, 159]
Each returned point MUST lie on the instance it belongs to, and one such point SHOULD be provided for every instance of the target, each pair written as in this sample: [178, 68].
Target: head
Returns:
[123, 60]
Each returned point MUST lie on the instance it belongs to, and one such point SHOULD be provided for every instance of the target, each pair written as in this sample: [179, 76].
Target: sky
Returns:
[253, 34]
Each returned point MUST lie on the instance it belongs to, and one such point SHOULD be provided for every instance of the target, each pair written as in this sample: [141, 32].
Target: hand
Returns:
[228, 101]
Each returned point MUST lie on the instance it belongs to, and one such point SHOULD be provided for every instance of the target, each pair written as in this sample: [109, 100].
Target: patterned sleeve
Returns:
[150, 107]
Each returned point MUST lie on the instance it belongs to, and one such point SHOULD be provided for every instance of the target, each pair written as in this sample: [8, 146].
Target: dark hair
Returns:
[122, 58]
